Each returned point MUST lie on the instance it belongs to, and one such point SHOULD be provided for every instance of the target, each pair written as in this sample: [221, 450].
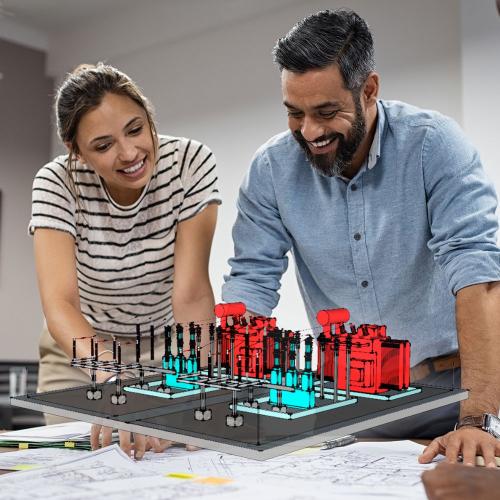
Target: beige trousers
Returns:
[55, 371]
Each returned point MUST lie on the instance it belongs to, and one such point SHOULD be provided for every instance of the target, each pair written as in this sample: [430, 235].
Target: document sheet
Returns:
[360, 470]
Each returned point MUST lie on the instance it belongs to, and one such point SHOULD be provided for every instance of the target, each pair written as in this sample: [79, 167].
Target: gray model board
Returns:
[261, 437]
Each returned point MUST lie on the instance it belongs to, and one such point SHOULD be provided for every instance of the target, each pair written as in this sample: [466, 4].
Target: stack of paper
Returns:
[35, 458]
[67, 435]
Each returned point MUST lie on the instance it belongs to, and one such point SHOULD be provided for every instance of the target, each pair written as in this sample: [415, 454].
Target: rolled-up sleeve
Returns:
[461, 208]
[53, 203]
[261, 242]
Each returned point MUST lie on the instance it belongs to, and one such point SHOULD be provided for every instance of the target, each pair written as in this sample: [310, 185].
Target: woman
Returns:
[122, 228]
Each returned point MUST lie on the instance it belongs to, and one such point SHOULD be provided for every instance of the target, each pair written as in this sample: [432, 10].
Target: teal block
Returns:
[307, 382]
[299, 399]
[291, 378]
[174, 364]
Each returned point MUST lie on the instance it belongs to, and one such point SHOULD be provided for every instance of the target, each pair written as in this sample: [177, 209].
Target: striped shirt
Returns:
[125, 254]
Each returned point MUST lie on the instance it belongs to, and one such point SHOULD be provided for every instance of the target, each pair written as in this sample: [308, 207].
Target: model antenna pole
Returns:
[152, 341]
[137, 343]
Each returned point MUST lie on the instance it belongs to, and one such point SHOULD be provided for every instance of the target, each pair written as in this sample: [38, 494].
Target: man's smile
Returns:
[324, 146]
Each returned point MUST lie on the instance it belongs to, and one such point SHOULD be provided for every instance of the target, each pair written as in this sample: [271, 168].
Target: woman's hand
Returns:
[140, 443]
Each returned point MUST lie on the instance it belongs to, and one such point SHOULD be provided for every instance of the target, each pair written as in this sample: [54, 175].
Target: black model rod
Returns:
[168, 342]
[247, 351]
[137, 343]
[152, 342]
[231, 351]
[348, 345]
[219, 351]
[322, 368]
[209, 367]
[336, 345]
[198, 346]
[297, 348]
[264, 353]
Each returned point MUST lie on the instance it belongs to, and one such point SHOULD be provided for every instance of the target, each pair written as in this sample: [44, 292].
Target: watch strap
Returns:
[471, 421]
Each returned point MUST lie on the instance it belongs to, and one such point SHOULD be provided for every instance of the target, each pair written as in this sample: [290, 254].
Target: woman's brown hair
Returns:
[83, 90]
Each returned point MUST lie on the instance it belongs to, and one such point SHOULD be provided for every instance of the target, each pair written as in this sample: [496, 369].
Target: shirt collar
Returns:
[374, 153]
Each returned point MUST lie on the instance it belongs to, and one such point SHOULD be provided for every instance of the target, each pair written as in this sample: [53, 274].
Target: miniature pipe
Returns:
[328, 316]
[231, 309]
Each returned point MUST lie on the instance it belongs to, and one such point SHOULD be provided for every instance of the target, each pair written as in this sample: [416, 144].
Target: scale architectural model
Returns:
[250, 398]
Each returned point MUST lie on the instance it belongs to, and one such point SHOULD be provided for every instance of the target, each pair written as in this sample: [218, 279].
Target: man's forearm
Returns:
[478, 327]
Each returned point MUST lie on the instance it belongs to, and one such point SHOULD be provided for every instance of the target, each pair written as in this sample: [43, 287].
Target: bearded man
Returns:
[387, 211]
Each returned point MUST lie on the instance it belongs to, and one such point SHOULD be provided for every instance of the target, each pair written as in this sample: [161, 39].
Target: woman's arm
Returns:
[57, 281]
[192, 296]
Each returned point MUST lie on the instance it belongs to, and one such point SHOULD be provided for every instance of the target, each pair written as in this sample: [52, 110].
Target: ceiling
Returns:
[50, 15]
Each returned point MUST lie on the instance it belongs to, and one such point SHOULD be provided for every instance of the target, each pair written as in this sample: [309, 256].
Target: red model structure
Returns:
[252, 341]
[363, 359]
[377, 362]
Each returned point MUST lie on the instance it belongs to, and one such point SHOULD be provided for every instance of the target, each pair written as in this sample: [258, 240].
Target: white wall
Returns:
[24, 146]
[480, 23]
[27, 36]
[206, 65]
[208, 70]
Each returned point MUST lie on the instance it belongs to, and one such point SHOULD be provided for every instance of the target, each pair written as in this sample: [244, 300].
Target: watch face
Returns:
[492, 425]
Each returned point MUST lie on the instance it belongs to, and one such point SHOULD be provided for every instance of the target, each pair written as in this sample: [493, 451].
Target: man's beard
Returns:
[339, 161]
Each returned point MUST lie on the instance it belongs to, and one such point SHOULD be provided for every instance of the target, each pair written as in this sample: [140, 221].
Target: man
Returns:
[387, 212]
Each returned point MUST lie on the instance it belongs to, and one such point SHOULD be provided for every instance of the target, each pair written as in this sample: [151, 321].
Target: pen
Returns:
[341, 441]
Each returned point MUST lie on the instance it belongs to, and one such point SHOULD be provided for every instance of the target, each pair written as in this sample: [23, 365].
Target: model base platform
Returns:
[261, 436]
[245, 386]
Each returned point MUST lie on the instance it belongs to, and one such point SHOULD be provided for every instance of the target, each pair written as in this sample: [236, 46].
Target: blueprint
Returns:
[36, 457]
[364, 467]
[360, 470]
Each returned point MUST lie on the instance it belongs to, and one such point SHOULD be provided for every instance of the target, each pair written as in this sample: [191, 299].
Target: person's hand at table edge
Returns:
[101, 436]
[467, 442]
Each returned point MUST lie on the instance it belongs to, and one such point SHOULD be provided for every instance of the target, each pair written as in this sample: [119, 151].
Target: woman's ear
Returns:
[76, 153]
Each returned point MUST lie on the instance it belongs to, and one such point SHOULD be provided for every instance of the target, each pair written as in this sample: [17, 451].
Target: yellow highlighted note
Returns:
[181, 475]
[304, 451]
[24, 446]
[25, 467]
[69, 444]
[215, 481]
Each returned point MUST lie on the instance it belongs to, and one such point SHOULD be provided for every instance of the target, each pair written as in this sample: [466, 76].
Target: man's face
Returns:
[326, 119]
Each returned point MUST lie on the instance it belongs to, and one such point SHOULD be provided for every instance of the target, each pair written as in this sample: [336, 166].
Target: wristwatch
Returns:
[487, 422]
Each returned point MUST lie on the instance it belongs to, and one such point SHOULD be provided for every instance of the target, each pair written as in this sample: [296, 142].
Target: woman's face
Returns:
[114, 139]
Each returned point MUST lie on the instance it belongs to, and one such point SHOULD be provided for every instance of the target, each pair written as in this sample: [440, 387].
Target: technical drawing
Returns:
[252, 398]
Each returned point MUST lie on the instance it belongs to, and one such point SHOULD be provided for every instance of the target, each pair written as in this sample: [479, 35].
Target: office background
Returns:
[206, 65]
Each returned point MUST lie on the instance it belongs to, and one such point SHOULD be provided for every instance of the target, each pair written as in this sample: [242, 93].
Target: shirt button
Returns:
[357, 236]
[354, 187]
[364, 284]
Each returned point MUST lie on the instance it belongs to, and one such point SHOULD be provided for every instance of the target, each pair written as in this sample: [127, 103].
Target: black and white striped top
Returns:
[125, 254]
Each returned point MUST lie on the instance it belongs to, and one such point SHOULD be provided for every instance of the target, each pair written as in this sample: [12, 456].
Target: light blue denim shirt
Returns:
[393, 245]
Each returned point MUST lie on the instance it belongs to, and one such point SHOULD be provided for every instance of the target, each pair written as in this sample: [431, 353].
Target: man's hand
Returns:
[466, 441]
[454, 481]
[140, 445]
